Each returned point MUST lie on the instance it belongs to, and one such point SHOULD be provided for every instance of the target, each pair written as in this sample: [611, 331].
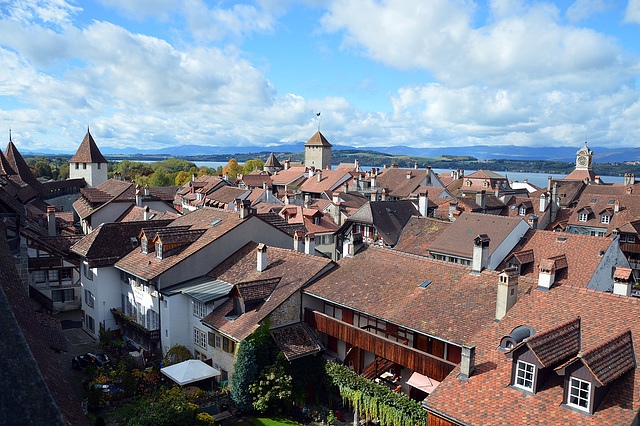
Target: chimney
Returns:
[544, 202]
[310, 244]
[194, 177]
[356, 165]
[146, 190]
[335, 197]
[138, 196]
[312, 171]
[597, 180]
[467, 362]
[507, 292]
[546, 274]
[630, 190]
[262, 257]
[480, 199]
[319, 176]
[226, 177]
[287, 164]
[622, 281]
[245, 208]
[480, 253]
[555, 203]
[423, 203]
[374, 181]
[549, 183]
[616, 206]
[374, 195]
[428, 176]
[384, 194]
[497, 191]
[453, 206]
[298, 243]
[265, 186]
[146, 213]
[533, 221]
[51, 220]
[408, 175]
[415, 166]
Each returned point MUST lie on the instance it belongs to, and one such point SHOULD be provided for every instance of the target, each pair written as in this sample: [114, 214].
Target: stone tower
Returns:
[88, 163]
[317, 152]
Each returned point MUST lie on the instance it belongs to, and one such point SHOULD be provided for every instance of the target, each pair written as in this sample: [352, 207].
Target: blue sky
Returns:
[160, 73]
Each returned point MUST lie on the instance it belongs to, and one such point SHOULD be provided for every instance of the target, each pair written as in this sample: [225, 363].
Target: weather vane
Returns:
[318, 115]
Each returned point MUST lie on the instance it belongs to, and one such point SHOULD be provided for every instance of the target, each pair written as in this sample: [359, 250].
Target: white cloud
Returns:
[583, 9]
[51, 12]
[632, 14]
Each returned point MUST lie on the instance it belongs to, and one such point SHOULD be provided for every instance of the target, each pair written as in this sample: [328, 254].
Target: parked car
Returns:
[83, 361]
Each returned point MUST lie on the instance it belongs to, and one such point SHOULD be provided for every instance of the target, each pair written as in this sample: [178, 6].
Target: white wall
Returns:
[174, 322]
[105, 287]
[92, 175]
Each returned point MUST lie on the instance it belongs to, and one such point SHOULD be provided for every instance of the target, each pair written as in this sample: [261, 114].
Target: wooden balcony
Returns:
[152, 335]
[414, 359]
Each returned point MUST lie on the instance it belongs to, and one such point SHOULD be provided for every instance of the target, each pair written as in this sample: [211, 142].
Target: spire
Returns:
[20, 167]
[88, 151]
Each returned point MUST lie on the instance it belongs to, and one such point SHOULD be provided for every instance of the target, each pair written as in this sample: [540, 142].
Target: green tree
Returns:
[176, 354]
[169, 407]
[43, 169]
[182, 177]
[245, 372]
[272, 390]
[160, 178]
[252, 165]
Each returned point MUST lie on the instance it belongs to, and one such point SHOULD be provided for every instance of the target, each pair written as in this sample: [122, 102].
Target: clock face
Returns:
[582, 161]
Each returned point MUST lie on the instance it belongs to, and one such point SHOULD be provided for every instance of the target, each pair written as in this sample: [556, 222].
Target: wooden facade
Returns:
[414, 359]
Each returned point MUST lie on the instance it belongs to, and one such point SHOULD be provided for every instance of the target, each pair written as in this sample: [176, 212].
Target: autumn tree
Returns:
[252, 165]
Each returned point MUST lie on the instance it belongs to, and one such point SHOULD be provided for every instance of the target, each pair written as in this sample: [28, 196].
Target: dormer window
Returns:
[485, 184]
[159, 250]
[579, 393]
[605, 218]
[144, 245]
[468, 183]
[524, 375]
[522, 211]
[583, 216]
[316, 220]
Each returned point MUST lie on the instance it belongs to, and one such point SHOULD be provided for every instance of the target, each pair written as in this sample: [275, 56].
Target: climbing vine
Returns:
[375, 401]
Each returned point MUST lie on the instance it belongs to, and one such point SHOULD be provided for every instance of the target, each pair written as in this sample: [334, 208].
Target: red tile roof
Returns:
[330, 180]
[486, 397]
[317, 140]
[418, 234]
[556, 344]
[296, 340]
[611, 359]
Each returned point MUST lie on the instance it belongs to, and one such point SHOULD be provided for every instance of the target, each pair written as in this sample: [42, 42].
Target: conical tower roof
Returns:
[317, 140]
[5, 167]
[22, 168]
[272, 161]
[88, 152]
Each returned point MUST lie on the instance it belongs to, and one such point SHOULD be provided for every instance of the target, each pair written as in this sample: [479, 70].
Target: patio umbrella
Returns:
[189, 371]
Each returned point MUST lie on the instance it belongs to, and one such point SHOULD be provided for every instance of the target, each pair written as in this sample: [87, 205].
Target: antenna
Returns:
[9, 135]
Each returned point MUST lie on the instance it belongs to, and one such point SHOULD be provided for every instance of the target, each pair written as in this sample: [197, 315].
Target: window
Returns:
[228, 345]
[579, 393]
[631, 238]
[62, 295]
[77, 166]
[40, 276]
[84, 166]
[218, 341]
[485, 184]
[159, 250]
[522, 211]
[89, 323]
[199, 309]
[224, 376]
[65, 274]
[605, 218]
[89, 298]
[53, 275]
[98, 166]
[468, 183]
[582, 217]
[200, 338]
[199, 355]
[211, 339]
[524, 375]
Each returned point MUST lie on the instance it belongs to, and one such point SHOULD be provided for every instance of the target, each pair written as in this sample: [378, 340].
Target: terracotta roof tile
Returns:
[296, 340]
[88, 152]
[418, 234]
[611, 359]
[317, 139]
[556, 344]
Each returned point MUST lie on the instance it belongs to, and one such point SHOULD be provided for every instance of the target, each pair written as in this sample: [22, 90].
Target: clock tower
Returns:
[584, 158]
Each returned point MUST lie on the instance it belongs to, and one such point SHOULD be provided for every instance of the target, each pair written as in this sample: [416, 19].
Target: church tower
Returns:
[317, 152]
[88, 163]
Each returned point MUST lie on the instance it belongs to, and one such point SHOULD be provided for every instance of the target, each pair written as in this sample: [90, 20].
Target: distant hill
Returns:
[481, 152]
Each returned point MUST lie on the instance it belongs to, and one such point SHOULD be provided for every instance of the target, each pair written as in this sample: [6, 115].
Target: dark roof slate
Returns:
[88, 152]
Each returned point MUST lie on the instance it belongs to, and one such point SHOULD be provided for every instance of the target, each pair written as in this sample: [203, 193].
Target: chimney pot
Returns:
[310, 243]
[467, 362]
[507, 292]
[298, 241]
[480, 253]
[51, 220]
[146, 213]
[423, 203]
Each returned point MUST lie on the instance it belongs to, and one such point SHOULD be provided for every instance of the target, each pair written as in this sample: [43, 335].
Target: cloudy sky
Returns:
[159, 73]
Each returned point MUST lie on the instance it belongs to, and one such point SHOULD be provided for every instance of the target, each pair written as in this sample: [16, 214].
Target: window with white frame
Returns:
[89, 298]
[200, 338]
[144, 245]
[199, 309]
[53, 275]
[218, 341]
[524, 375]
[40, 276]
[159, 250]
[579, 392]
[582, 217]
[522, 211]
[605, 218]
[62, 295]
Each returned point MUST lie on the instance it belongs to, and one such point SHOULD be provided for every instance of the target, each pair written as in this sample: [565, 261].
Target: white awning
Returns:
[189, 371]
[424, 383]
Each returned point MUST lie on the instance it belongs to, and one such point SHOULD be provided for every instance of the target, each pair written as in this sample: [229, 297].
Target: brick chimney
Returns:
[423, 203]
[262, 257]
[507, 291]
[310, 244]
[480, 253]
[467, 362]
[622, 278]
[51, 220]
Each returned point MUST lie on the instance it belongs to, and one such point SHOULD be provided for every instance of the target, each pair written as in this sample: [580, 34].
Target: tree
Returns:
[232, 168]
[245, 372]
[272, 390]
[176, 354]
[181, 178]
[252, 165]
[43, 169]
[160, 178]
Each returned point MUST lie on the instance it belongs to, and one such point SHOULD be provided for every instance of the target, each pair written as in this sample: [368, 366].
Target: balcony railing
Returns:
[412, 358]
[152, 335]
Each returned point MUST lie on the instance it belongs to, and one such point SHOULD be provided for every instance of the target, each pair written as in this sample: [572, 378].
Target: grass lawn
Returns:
[263, 421]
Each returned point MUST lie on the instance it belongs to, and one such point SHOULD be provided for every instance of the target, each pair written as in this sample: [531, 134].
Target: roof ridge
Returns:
[598, 347]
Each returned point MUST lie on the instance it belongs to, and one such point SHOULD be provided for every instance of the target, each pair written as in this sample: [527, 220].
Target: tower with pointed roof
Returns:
[272, 165]
[88, 163]
[317, 152]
